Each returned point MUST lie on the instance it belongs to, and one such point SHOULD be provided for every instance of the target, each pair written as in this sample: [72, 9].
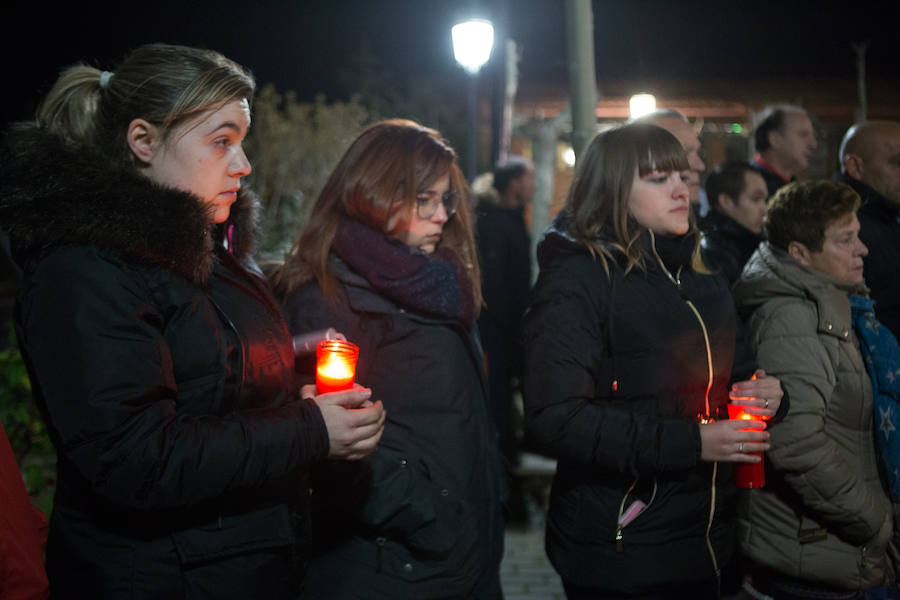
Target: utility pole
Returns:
[863, 108]
[503, 118]
[582, 77]
[504, 70]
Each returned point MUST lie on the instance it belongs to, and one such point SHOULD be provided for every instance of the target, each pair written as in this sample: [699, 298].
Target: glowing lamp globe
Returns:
[472, 43]
[641, 104]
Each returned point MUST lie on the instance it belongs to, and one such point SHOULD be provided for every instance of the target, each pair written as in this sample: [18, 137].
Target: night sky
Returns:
[338, 47]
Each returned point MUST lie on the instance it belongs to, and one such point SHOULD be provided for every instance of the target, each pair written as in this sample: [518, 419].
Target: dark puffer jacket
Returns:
[727, 245]
[617, 370]
[420, 517]
[165, 371]
[879, 229]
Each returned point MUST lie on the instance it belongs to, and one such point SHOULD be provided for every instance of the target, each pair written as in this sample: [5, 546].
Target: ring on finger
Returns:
[741, 447]
[766, 405]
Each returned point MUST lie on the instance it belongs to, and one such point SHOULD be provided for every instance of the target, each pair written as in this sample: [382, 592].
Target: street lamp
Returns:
[472, 43]
[641, 104]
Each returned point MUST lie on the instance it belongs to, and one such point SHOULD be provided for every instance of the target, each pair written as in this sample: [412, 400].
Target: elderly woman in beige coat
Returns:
[820, 526]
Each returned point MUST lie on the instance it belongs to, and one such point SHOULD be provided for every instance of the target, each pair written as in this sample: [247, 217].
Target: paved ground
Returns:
[525, 571]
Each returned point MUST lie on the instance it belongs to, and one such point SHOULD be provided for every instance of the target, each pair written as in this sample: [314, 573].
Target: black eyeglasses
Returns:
[427, 203]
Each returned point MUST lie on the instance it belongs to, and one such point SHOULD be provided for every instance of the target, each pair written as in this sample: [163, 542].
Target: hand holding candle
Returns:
[760, 395]
[354, 422]
[733, 441]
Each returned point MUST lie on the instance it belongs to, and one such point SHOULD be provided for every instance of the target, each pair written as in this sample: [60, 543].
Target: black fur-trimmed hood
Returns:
[53, 195]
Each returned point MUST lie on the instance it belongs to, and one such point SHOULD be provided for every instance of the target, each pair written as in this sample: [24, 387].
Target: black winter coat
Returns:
[504, 252]
[165, 371]
[727, 245]
[421, 516]
[617, 370]
[504, 249]
[879, 229]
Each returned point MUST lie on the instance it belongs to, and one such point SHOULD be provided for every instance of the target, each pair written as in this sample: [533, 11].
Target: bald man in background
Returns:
[870, 164]
[677, 124]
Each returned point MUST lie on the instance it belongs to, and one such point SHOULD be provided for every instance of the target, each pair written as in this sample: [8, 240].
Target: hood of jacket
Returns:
[873, 202]
[773, 273]
[54, 195]
[717, 223]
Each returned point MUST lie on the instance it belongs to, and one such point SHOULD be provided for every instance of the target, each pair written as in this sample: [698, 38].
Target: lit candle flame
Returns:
[336, 369]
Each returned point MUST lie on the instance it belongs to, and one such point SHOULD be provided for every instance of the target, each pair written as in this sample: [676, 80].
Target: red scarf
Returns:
[760, 161]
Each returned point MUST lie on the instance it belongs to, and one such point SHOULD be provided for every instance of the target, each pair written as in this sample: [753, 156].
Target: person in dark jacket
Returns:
[870, 163]
[388, 258]
[733, 227]
[504, 253]
[629, 347]
[162, 364]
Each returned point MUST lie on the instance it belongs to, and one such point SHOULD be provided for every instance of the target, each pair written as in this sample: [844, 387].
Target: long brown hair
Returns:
[379, 176]
[597, 202]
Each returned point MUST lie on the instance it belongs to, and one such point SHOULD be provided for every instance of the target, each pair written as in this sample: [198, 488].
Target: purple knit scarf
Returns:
[435, 285]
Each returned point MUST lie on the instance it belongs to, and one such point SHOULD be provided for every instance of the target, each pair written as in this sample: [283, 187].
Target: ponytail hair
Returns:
[161, 83]
[70, 109]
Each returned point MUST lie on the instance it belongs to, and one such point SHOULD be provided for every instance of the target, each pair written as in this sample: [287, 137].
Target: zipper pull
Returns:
[619, 539]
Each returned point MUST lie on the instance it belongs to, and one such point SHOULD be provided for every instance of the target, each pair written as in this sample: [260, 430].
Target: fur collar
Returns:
[53, 195]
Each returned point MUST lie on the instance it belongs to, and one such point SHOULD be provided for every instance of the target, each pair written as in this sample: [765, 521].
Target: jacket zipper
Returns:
[632, 512]
[705, 418]
[619, 525]
[709, 365]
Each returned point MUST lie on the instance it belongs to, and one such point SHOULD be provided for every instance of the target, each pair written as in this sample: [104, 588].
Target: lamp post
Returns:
[641, 104]
[472, 43]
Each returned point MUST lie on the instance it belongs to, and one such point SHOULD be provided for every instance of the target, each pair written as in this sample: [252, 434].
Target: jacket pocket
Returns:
[442, 513]
[587, 512]
[256, 530]
[874, 555]
[631, 507]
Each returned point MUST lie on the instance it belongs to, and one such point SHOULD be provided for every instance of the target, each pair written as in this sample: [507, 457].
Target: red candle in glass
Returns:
[748, 475]
[335, 365]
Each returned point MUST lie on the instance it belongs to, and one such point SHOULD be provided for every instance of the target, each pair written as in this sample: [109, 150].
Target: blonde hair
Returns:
[160, 83]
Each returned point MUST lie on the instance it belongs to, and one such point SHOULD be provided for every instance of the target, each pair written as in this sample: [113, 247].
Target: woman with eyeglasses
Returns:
[388, 258]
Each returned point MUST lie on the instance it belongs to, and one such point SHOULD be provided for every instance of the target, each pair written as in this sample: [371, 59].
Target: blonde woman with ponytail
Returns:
[162, 364]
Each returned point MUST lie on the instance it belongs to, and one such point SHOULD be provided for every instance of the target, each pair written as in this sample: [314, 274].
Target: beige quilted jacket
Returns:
[824, 515]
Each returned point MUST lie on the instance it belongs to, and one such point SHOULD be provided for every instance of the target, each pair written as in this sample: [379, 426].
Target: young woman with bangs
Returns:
[630, 343]
[388, 259]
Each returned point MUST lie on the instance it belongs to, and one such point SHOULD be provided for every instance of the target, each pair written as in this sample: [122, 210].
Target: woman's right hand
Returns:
[354, 422]
[733, 441]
